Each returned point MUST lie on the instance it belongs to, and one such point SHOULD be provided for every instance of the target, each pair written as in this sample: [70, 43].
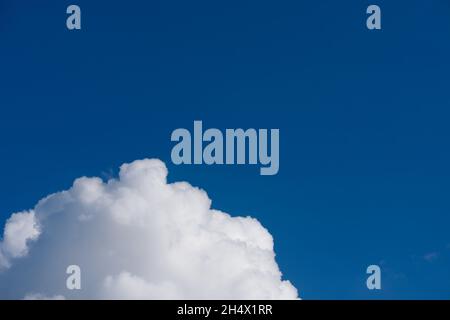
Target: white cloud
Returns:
[138, 237]
[19, 230]
[133, 287]
[38, 296]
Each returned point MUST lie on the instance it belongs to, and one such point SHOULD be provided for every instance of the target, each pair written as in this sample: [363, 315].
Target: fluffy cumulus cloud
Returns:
[137, 237]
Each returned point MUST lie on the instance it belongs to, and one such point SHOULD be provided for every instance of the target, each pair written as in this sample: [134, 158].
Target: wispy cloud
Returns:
[431, 256]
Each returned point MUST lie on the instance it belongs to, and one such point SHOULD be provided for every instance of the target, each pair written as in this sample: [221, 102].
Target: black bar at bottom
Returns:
[225, 309]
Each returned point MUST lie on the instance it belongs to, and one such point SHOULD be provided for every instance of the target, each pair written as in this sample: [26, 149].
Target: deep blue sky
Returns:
[363, 115]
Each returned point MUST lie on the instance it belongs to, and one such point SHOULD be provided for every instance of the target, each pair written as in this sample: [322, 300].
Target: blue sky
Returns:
[363, 118]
